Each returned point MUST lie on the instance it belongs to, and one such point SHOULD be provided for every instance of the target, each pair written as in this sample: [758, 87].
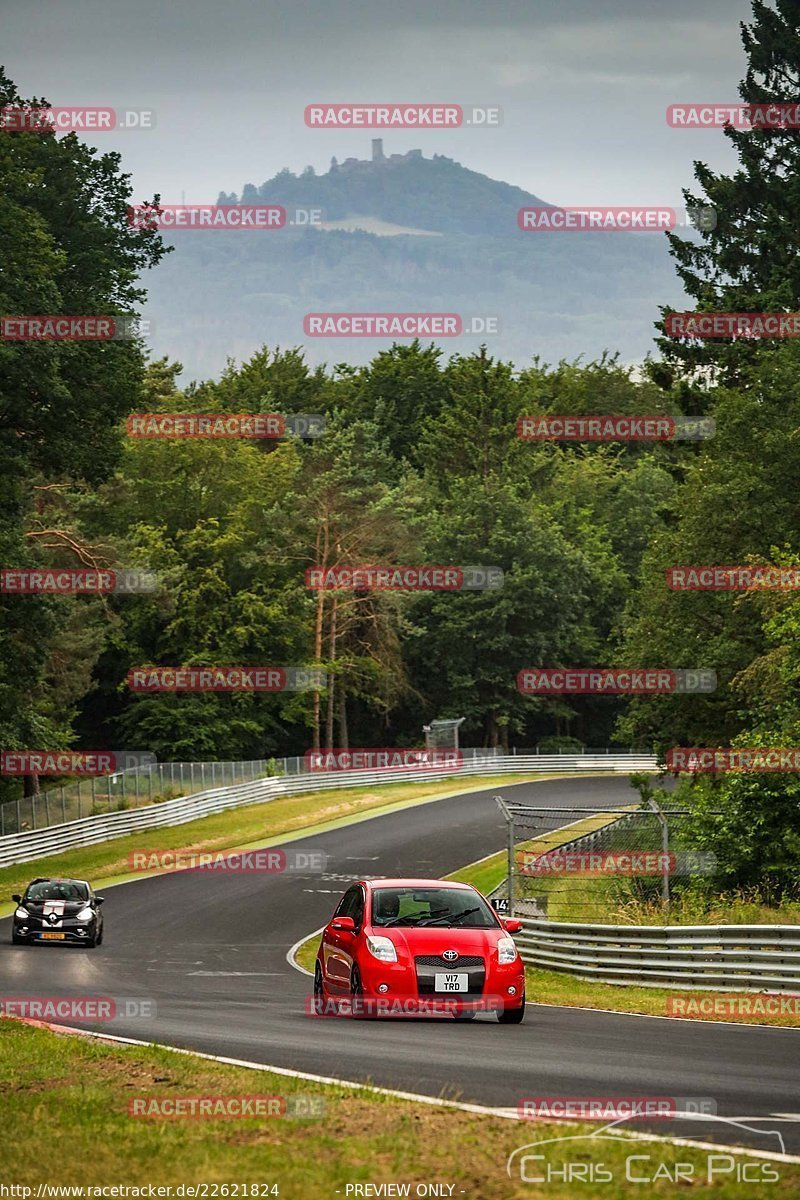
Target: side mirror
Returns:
[344, 924]
[99, 899]
[512, 924]
[17, 898]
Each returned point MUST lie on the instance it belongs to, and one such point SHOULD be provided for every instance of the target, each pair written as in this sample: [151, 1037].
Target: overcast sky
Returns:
[583, 84]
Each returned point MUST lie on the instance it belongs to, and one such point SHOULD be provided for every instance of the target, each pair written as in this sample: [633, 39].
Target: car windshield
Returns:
[62, 889]
[419, 906]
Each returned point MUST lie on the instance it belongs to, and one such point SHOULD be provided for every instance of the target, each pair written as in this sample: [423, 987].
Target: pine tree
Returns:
[750, 261]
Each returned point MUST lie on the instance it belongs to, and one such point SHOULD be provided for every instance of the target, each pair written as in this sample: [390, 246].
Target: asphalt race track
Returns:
[210, 950]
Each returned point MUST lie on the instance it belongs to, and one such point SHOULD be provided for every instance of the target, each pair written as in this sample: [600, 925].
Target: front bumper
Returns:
[410, 985]
[76, 933]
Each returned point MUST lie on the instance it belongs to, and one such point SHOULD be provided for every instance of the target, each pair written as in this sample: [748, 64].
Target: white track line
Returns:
[292, 951]
[436, 1101]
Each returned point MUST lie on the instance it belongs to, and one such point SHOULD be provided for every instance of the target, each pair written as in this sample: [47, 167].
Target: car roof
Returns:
[448, 883]
[56, 879]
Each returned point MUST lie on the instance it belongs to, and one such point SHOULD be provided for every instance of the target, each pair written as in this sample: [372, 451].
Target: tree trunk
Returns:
[344, 737]
[331, 674]
[318, 626]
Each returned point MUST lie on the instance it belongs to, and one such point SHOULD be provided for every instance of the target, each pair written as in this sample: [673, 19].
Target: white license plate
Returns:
[449, 981]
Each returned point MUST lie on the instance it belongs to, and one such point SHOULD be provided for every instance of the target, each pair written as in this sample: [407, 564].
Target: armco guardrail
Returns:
[33, 844]
[717, 957]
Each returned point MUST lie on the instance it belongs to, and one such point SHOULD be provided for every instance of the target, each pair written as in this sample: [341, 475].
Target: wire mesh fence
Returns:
[134, 788]
[152, 783]
[626, 864]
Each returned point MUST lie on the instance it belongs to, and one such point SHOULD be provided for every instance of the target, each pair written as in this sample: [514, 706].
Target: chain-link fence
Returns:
[148, 784]
[154, 782]
[617, 865]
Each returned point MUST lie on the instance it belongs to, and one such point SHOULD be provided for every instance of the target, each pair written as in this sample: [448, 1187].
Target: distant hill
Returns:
[223, 294]
[435, 194]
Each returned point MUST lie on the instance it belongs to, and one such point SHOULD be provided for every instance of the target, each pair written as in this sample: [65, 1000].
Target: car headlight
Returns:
[506, 950]
[22, 913]
[86, 914]
[382, 948]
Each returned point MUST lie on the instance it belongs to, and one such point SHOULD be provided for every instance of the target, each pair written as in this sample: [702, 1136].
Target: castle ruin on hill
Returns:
[377, 157]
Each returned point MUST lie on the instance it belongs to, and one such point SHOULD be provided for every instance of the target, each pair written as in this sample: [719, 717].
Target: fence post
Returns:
[47, 806]
[33, 812]
[664, 823]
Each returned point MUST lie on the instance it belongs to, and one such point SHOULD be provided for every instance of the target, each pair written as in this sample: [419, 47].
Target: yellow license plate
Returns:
[52, 937]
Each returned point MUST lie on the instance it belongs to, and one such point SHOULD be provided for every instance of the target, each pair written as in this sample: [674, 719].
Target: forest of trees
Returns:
[420, 463]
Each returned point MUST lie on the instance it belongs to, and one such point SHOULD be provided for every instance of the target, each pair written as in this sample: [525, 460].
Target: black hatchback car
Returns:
[58, 910]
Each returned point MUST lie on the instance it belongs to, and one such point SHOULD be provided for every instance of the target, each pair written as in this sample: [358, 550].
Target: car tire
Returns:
[468, 1015]
[92, 942]
[18, 941]
[100, 937]
[319, 991]
[357, 990]
[511, 1016]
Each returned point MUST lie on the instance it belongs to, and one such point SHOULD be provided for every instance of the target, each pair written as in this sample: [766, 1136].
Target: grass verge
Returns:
[64, 1113]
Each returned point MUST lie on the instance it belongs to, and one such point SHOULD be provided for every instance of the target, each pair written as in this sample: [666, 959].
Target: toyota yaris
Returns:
[419, 945]
[58, 910]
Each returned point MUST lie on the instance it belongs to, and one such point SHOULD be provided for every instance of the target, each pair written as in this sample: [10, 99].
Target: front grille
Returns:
[428, 964]
[436, 960]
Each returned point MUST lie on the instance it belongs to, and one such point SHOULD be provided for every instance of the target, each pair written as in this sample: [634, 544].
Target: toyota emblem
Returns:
[450, 955]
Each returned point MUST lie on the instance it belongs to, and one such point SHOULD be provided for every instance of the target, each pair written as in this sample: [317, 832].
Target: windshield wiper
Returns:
[453, 919]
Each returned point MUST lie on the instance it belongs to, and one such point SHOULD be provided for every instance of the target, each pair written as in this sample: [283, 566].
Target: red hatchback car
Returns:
[397, 946]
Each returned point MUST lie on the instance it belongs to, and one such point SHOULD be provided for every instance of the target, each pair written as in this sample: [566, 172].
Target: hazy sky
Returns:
[583, 84]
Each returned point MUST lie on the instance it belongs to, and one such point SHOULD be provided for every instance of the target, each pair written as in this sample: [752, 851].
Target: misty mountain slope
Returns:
[553, 294]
